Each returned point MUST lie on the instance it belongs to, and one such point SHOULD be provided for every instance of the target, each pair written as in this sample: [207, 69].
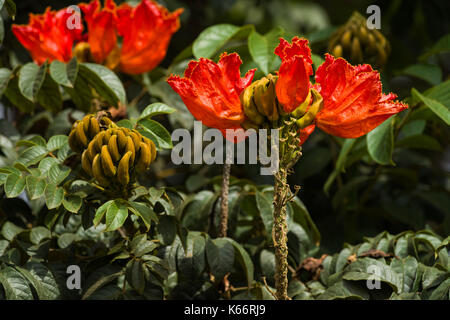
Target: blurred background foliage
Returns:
[369, 197]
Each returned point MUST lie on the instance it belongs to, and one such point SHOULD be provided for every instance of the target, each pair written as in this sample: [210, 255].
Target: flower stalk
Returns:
[290, 152]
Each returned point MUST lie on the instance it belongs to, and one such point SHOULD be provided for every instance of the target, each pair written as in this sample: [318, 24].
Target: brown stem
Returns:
[224, 196]
[279, 234]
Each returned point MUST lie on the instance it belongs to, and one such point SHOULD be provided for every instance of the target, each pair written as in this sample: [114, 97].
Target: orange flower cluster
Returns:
[146, 31]
[353, 102]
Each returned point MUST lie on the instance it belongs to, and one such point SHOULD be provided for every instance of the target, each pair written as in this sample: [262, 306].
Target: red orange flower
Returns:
[146, 30]
[353, 101]
[293, 76]
[101, 24]
[211, 91]
[47, 36]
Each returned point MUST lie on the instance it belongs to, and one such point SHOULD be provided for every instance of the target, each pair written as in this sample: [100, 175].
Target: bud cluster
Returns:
[359, 44]
[110, 154]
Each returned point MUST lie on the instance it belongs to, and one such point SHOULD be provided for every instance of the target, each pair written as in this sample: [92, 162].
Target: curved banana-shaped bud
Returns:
[98, 141]
[113, 149]
[346, 39]
[152, 147]
[145, 158]
[314, 108]
[337, 51]
[123, 174]
[264, 97]
[107, 164]
[356, 53]
[130, 147]
[80, 135]
[73, 141]
[301, 109]
[121, 140]
[249, 106]
[86, 163]
[91, 150]
[106, 136]
[86, 122]
[136, 136]
[94, 127]
[97, 172]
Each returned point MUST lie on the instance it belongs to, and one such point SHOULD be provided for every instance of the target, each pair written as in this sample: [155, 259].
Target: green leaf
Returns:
[441, 292]
[56, 142]
[442, 45]
[259, 49]
[155, 109]
[156, 132]
[428, 72]
[244, 259]
[371, 269]
[220, 257]
[31, 79]
[57, 173]
[380, 142]
[344, 290]
[420, 141]
[125, 123]
[72, 203]
[267, 262]
[265, 209]
[15, 285]
[101, 212]
[145, 212]
[32, 155]
[81, 94]
[46, 163]
[116, 215]
[10, 230]
[64, 74]
[407, 270]
[135, 275]
[15, 96]
[5, 76]
[14, 185]
[104, 81]
[49, 95]
[100, 283]
[212, 39]
[54, 196]
[43, 279]
[439, 109]
[38, 234]
[167, 228]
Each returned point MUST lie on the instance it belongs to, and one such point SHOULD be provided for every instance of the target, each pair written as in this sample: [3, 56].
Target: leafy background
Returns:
[387, 191]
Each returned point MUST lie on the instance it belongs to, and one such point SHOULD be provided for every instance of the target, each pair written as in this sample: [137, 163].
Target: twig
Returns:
[268, 288]
[223, 226]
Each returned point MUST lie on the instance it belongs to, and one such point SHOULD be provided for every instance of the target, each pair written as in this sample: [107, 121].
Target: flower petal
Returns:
[47, 36]
[211, 91]
[353, 100]
[146, 30]
[293, 76]
[101, 24]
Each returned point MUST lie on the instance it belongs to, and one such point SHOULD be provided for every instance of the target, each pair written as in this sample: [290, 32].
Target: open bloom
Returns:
[293, 76]
[211, 91]
[101, 25]
[48, 36]
[146, 30]
[353, 100]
